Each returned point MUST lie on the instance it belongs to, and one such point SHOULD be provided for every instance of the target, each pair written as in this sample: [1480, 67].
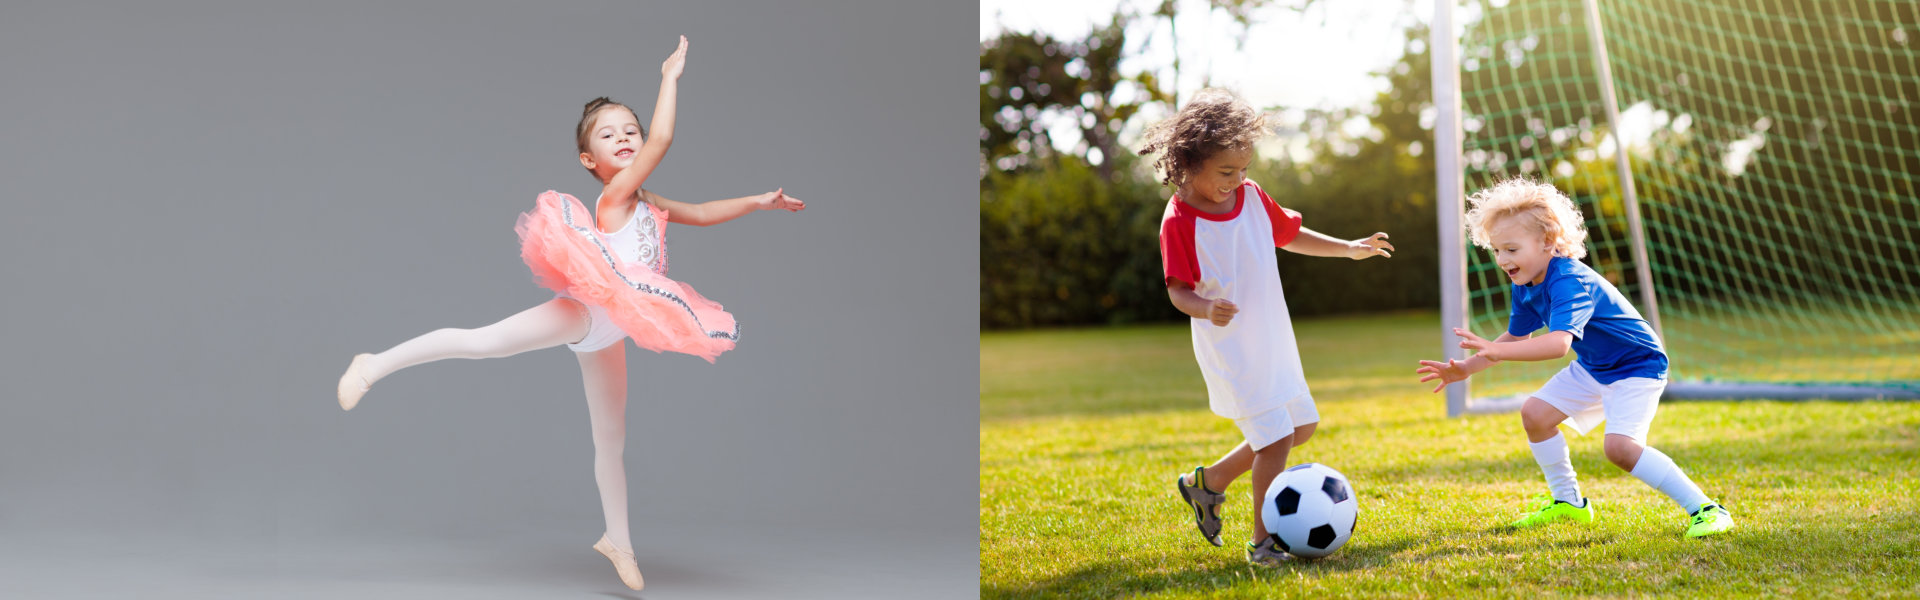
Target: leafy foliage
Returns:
[1063, 241]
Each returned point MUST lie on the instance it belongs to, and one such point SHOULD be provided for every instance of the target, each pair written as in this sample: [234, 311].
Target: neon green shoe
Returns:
[1547, 510]
[1710, 519]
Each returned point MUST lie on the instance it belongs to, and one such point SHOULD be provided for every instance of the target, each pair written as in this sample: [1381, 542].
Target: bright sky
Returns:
[1321, 58]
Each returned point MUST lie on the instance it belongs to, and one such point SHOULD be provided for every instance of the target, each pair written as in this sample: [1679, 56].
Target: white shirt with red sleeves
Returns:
[1252, 365]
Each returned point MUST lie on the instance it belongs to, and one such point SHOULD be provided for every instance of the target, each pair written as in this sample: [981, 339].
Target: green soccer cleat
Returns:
[1547, 510]
[1710, 519]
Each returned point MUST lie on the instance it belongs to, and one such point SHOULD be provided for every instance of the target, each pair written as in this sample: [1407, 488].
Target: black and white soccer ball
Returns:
[1310, 510]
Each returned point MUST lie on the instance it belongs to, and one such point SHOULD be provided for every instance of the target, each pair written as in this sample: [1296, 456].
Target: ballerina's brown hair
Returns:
[590, 116]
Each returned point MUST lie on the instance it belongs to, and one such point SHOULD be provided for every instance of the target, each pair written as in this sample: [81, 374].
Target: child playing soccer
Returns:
[1536, 236]
[1216, 245]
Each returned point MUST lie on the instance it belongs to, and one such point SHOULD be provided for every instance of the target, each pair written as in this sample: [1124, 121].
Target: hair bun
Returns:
[595, 104]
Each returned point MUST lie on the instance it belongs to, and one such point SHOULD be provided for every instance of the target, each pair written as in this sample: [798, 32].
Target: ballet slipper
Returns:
[622, 562]
[353, 383]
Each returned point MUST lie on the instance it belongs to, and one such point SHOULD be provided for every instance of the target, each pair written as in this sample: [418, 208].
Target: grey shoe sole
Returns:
[1268, 554]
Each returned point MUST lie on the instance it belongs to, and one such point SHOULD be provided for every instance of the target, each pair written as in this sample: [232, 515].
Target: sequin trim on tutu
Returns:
[566, 214]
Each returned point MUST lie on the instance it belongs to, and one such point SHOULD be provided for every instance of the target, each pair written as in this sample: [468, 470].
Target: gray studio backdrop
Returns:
[210, 207]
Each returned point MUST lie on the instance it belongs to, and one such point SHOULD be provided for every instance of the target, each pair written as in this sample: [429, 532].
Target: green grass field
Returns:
[1082, 432]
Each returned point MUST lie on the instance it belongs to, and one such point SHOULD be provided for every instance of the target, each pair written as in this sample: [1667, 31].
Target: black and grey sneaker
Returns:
[1204, 502]
[1267, 553]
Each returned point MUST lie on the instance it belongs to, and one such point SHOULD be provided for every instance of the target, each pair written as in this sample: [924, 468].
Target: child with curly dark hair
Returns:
[1218, 257]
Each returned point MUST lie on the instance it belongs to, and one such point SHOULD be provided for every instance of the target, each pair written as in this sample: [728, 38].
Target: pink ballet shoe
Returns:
[353, 384]
[622, 562]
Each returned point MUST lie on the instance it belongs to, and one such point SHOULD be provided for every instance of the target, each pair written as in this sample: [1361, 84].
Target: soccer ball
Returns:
[1309, 510]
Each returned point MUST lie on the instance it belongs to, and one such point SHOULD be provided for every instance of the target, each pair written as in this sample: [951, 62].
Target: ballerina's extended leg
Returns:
[551, 323]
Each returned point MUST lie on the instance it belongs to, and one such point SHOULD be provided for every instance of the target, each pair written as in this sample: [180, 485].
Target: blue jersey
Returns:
[1612, 341]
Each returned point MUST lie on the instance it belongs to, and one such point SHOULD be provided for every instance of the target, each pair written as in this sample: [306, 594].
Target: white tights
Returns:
[604, 373]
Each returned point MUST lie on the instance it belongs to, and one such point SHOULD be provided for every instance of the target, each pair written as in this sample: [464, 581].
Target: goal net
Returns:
[1773, 148]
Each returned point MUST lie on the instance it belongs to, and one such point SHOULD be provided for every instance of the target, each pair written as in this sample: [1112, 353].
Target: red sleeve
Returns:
[1177, 256]
[1286, 222]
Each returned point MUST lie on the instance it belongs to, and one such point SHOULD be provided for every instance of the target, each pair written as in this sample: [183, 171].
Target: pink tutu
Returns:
[571, 257]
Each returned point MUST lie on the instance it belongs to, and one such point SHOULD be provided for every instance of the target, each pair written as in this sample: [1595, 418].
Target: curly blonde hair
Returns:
[1544, 209]
[1214, 121]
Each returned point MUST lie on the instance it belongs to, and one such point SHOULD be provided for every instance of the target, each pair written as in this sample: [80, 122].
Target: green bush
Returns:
[1062, 245]
[1379, 189]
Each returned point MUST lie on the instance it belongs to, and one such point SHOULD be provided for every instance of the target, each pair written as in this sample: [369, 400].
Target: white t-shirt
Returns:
[1252, 365]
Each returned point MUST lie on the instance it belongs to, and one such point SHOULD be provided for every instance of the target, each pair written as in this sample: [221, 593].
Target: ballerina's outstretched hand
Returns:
[675, 62]
[779, 200]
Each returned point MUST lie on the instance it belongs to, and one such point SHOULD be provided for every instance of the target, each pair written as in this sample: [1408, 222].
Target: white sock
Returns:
[1552, 456]
[1660, 473]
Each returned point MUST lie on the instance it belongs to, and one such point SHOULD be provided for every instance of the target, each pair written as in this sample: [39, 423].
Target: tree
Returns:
[1031, 81]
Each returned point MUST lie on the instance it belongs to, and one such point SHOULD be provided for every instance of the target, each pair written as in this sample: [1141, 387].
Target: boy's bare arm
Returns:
[1218, 310]
[1554, 344]
[1314, 243]
[1480, 362]
[1459, 370]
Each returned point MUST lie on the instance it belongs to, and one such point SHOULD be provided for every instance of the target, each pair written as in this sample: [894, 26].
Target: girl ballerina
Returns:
[608, 272]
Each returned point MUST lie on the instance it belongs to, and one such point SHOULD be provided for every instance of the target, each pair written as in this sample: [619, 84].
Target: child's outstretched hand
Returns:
[1447, 372]
[1469, 341]
[677, 62]
[779, 200]
[1221, 312]
[1371, 246]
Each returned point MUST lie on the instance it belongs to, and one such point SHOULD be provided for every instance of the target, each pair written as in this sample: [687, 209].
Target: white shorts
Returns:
[1268, 427]
[1626, 405]
[601, 332]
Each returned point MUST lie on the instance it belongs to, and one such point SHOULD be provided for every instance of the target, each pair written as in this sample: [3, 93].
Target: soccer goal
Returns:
[1748, 170]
